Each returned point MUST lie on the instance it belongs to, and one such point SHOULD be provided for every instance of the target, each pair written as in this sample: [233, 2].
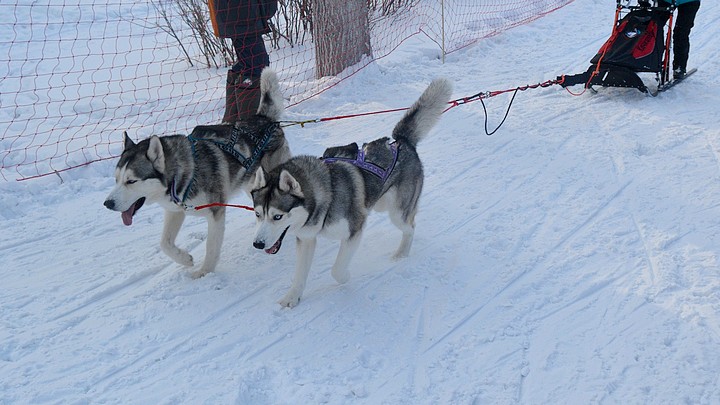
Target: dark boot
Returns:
[242, 97]
[247, 95]
[231, 111]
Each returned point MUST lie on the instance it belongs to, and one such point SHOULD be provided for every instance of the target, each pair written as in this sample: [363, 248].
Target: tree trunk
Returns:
[341, 33]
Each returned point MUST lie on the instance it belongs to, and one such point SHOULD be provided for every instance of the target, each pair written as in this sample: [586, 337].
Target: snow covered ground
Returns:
[572, 257]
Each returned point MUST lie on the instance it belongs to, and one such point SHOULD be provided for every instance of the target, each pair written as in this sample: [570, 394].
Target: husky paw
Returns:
[198, 274]
[185, 259]
[180, 256]
[290, 300]
[399, 256]
[341, 276]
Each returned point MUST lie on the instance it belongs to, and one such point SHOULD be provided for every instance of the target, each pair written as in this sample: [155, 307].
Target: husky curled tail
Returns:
[332, 196]
[424, 114]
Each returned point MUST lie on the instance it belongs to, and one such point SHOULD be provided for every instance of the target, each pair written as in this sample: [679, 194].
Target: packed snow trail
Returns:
[572, 257]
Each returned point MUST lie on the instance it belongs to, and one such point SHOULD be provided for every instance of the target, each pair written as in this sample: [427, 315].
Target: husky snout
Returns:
[273, 248]
[109, 204]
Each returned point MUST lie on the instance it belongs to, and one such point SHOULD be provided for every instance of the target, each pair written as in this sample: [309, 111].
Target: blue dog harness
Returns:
[229, 148]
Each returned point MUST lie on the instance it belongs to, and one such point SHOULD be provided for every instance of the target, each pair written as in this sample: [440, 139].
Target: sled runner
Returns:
[638, 44]
[674, 81]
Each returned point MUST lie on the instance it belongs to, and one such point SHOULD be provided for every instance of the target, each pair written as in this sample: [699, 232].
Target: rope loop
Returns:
[452, 104]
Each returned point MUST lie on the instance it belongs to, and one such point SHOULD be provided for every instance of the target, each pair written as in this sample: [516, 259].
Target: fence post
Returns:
[442, 29]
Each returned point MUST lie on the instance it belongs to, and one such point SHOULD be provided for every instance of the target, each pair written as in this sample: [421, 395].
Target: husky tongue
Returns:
[276, 247]
[127, 215]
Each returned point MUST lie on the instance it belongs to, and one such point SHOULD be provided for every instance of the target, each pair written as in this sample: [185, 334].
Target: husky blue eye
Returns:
[277, 217]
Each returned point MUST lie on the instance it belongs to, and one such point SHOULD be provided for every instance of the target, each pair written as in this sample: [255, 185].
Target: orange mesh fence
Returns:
[76, 73]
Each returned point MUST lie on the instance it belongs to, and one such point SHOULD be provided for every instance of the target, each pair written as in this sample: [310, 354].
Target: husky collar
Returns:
[360, 162]
[174, 195]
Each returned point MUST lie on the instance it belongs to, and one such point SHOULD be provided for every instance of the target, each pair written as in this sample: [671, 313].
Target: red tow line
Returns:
[202, 207]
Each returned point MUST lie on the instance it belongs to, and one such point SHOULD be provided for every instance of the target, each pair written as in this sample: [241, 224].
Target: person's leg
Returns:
[243, 81]
[251, 55]
[681, 34]
[231, 107]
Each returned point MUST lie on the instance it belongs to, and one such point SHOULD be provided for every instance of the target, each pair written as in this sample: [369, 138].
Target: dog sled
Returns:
[640, 43]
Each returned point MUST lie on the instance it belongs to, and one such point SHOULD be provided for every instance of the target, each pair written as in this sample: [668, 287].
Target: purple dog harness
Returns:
[360, 162]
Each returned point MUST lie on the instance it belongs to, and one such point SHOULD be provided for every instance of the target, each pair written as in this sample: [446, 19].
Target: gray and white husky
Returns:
[332, 196]
[208, 166]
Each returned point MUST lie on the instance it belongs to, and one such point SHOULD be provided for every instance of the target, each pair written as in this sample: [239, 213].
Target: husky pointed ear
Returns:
[128, 142]
[288, 184]
[155, 154]
[260, 181]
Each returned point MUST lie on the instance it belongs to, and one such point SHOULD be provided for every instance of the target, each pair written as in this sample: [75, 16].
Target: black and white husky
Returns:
[332, 196]
[208, 166]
